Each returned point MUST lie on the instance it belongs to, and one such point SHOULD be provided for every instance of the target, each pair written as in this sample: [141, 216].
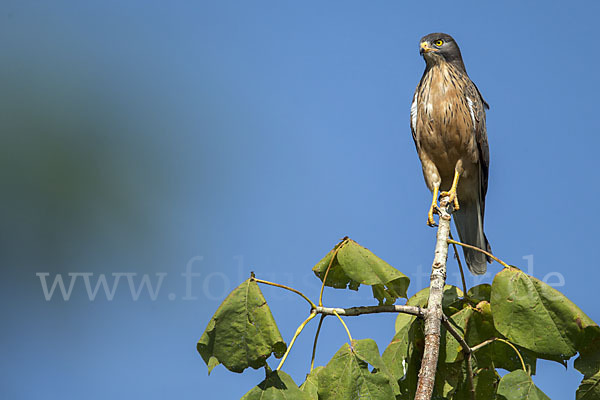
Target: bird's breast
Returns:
[444, 123]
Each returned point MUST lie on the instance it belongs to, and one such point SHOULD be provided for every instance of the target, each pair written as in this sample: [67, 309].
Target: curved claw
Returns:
[432, 210]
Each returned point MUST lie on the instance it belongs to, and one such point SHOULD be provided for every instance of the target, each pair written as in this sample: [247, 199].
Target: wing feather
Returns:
[477, 107]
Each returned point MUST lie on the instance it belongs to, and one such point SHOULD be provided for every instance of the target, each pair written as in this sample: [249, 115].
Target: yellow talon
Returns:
[430, 220]
[452, 192]
[433, 208]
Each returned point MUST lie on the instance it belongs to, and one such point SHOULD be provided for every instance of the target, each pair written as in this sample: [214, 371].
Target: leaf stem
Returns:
[300, 328]
[516, 351]
[487, 253]
[314, 350]
[312, 305]
[345, 327]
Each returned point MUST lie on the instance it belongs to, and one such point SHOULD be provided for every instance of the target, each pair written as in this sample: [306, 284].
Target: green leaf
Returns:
[480, 328]
[588, 362]
[277, 385]
[311, 384]
[242, 333]
[481, 292]
[452, 381]
[397, 352]
[353, 265]
[403, 354]
[459, 322]
[481, 325]
[336, 277]
[347, 374]
[448, 377]
[535, 315]
[485, 382]
[518, 386]
[589, 388]
[368, 351]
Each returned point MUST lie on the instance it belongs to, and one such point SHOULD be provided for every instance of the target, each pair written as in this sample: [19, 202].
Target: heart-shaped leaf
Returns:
[242, 333]
[535, 315]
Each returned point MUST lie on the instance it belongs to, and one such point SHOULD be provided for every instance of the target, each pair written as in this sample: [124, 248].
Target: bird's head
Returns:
[440, 47]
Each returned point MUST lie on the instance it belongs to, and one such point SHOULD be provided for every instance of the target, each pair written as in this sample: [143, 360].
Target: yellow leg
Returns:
[452, 192]
[432, 209]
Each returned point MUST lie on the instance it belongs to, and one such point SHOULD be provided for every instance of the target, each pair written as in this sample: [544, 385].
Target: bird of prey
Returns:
[447, 119]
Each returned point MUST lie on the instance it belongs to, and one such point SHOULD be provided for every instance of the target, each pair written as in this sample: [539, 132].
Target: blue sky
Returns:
[251, 136]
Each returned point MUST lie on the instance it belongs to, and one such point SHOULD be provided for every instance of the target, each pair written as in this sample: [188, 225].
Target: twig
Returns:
[462, 272]
[482, 344]
[312, 305]
[487, 253]
[433, 316]
[463, 344]
[312, 359]
[300, 328]
[354, 311]
[345, 326]
[339, 246]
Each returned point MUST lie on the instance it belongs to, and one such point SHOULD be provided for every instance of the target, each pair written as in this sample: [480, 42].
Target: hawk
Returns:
[447, 119]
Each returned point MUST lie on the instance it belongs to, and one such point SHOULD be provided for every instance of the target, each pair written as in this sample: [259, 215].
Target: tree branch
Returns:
[354, 311]
[463, 344]
[482, 344]
[433, 316]
[468, 358]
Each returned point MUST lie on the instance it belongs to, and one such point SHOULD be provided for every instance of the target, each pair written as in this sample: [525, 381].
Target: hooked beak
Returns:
[425, 48]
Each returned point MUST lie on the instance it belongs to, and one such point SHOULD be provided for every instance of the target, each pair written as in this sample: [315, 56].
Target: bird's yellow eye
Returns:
[438, 43]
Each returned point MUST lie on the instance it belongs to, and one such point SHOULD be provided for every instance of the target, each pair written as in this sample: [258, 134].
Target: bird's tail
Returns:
[469, 224]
